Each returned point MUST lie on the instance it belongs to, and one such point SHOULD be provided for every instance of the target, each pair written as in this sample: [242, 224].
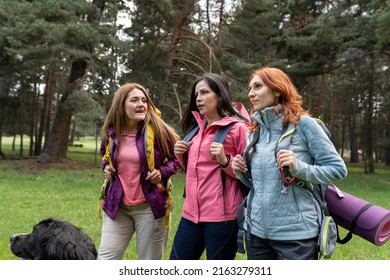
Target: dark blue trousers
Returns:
[219, 239]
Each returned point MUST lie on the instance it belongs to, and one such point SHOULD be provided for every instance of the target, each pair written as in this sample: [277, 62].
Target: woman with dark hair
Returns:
[140, 162]
[281, 217]
[210, 208]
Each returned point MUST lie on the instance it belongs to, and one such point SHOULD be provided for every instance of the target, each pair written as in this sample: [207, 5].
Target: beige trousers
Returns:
[151, 235]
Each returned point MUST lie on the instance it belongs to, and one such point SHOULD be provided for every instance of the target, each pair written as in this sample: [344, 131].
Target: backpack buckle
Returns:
[301, 184]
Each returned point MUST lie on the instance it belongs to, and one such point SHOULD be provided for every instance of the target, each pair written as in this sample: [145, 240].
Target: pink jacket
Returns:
[206, 198]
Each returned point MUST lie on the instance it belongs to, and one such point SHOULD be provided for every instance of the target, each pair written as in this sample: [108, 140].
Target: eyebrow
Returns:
[253, 84]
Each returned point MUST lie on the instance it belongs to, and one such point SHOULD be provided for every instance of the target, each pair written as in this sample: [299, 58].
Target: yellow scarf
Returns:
[149, 147]
[106, 182]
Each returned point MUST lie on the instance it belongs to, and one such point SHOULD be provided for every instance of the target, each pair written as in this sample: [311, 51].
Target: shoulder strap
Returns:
[104, 188]
[254, 139]
[149, 146]
[222, 133]
[112, 146]
[219, 137]
[323, 126]
[149, 152]
[191, 134]
[109, 151]
[241, 230]
[287, 132]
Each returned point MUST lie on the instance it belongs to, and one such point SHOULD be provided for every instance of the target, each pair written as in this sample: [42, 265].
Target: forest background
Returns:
[62, 61]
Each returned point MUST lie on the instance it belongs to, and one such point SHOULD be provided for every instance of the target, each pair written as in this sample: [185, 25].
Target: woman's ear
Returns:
[277, 95]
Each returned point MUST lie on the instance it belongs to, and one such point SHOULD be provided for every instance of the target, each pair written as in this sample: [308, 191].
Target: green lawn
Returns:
[70, 190]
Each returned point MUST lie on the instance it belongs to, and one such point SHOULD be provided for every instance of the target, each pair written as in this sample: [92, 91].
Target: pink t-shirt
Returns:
[129, 171]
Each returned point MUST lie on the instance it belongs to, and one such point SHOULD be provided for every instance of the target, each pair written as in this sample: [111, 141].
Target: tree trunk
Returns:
[353, 138]
[21, 146]
[57, 141]
[208, 22]
[72, 132]
[321, 95]
[342, 140]
[333, 117]
[386, 150]
[2, 155]
[220, 24]
[34, 118]
[44, 127]
[369, 124]
[183, 12]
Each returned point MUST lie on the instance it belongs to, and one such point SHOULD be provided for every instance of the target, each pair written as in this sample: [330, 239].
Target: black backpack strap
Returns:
[220, 138]
[323, 126]
[241, 230]
[353, 225]
[222, 133]
[193, 131]
[191, 134]
[251, 146]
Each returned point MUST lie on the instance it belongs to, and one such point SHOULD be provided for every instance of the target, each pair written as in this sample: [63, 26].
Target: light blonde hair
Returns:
[165, 135]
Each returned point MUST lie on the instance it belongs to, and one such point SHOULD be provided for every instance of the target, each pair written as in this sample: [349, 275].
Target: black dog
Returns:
[53, 239]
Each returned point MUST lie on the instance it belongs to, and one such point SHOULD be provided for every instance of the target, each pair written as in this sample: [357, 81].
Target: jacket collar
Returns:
[113, 135]
[268, 116]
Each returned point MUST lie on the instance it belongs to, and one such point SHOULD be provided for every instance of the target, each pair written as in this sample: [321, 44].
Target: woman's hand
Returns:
[181, 147]
[239, 164]
[218, 152]
[154, 176]
[286, 158]
[109, 172]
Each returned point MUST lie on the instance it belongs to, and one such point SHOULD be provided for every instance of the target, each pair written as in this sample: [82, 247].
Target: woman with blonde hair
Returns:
[138, 162]
[281, 216]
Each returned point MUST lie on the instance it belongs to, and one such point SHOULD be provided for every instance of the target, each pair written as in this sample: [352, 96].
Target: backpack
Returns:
[219, 138]
[328, 234]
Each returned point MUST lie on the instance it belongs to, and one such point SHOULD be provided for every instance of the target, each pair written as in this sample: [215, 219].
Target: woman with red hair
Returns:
[281, 217]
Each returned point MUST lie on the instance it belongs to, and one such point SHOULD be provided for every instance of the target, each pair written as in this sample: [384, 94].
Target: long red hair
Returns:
[289, 98]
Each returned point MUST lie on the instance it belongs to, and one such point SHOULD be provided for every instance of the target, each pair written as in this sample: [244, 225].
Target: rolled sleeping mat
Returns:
[360, 217]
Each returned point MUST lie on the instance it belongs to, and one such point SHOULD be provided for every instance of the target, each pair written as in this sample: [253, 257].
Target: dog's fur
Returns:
[53, 239]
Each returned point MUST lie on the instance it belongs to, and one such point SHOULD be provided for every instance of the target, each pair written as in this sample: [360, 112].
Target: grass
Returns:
[30, 195]
[70, 190]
